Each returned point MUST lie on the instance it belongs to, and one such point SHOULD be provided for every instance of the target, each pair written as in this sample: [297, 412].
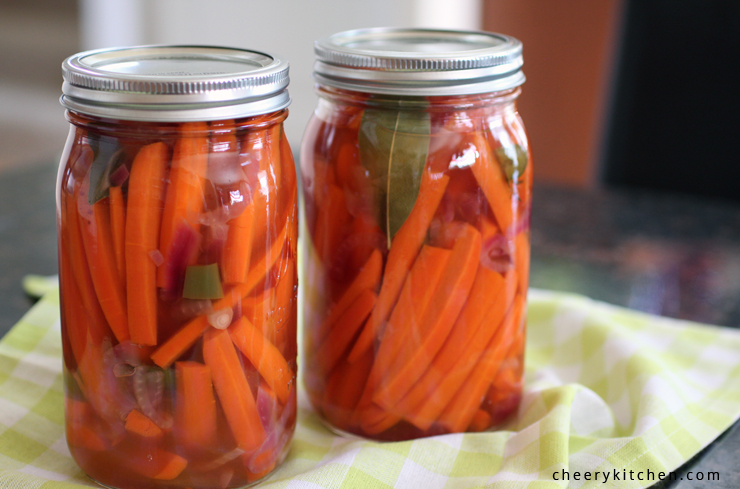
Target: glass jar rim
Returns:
[402, 61]
[175, 83]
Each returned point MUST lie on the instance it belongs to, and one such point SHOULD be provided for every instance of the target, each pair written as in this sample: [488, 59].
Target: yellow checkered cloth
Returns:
[607, 391]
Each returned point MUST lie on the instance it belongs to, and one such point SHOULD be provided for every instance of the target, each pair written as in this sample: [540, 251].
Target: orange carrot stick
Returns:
[284, 329]
[481, 421]
[155, 463]
[339, 338]
[493, 183]
[412, 305]
[118, 229]
[367, 279]
[258, 271]
[521, 260]
[238, 247]
[459, 413]
[144, 215]
[186, 337]
[434, 391]
[138, 423]
[73, 248]
[95, 228]
[264, 356]
[184, 199]
[344, 389]
[404, 249]
[410, 308]
[331, 224]
[195, 409]
[447, 302]
[233, 389]
[264, 145]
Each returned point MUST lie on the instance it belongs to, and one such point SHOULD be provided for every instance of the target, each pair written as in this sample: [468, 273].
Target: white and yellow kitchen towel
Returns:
[607, 391]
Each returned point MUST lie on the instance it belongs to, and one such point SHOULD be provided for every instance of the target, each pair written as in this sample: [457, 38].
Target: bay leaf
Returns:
[107, 157]
[393, 148]
[513, 161]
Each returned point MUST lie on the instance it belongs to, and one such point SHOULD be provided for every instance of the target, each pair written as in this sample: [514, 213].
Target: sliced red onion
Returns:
[185, 244]
[190, 308]
[119, 176]
[265, 407]
[123, 370]
[496, 254]
[148, 386]
[156, 257]
[223, 169]
[277, 437]
[221, 319]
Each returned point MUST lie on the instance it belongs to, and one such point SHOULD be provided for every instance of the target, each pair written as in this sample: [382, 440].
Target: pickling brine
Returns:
[417, 257]
[177, 254]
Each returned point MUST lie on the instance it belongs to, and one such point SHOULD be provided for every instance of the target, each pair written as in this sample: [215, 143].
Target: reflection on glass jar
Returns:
[417, 244]
[178, 294]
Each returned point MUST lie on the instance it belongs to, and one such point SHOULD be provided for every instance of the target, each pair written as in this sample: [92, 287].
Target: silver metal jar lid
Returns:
[422, 62]
[175, 83]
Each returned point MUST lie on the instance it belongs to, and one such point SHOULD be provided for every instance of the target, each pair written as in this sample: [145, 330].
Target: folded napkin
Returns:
[608, 390]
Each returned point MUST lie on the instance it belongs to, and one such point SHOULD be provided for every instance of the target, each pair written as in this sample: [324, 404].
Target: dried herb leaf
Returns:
[107, 158]
[513, 161]
[393, 148]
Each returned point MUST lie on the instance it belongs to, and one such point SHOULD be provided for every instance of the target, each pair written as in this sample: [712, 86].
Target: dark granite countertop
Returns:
[672, 255]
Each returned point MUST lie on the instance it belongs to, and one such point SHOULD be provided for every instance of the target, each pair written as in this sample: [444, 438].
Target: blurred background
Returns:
[570, 52]
[631, 108]
[611, 84]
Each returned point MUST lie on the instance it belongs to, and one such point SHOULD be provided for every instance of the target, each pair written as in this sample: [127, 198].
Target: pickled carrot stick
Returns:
[83, 428]
[233, 390]
[154, 463]
[459, 413]
[267, 359]
[256, 307]
[404, 249]
[344, 388]
[87, 437]
[138, 423]
[481, 421]
[375, 419]
[264, 145]
[347, 160]
[367, 279]
[339, 338]
[77, 264]
[284, 328]
[410, 308]
[413, 303]
[118, 229]
[521, 260]
[184, 199]
[238, 247]
[87, 337]
[195, 409]
[331, 224]
[258, 271]
[98, 247]
[434, 391]
[145, 192]
[186, 337]
[493, 183]
[445, 306]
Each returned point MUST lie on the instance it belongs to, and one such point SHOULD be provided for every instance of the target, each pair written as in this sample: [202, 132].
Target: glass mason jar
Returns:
[417, 182]
[177, 226]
